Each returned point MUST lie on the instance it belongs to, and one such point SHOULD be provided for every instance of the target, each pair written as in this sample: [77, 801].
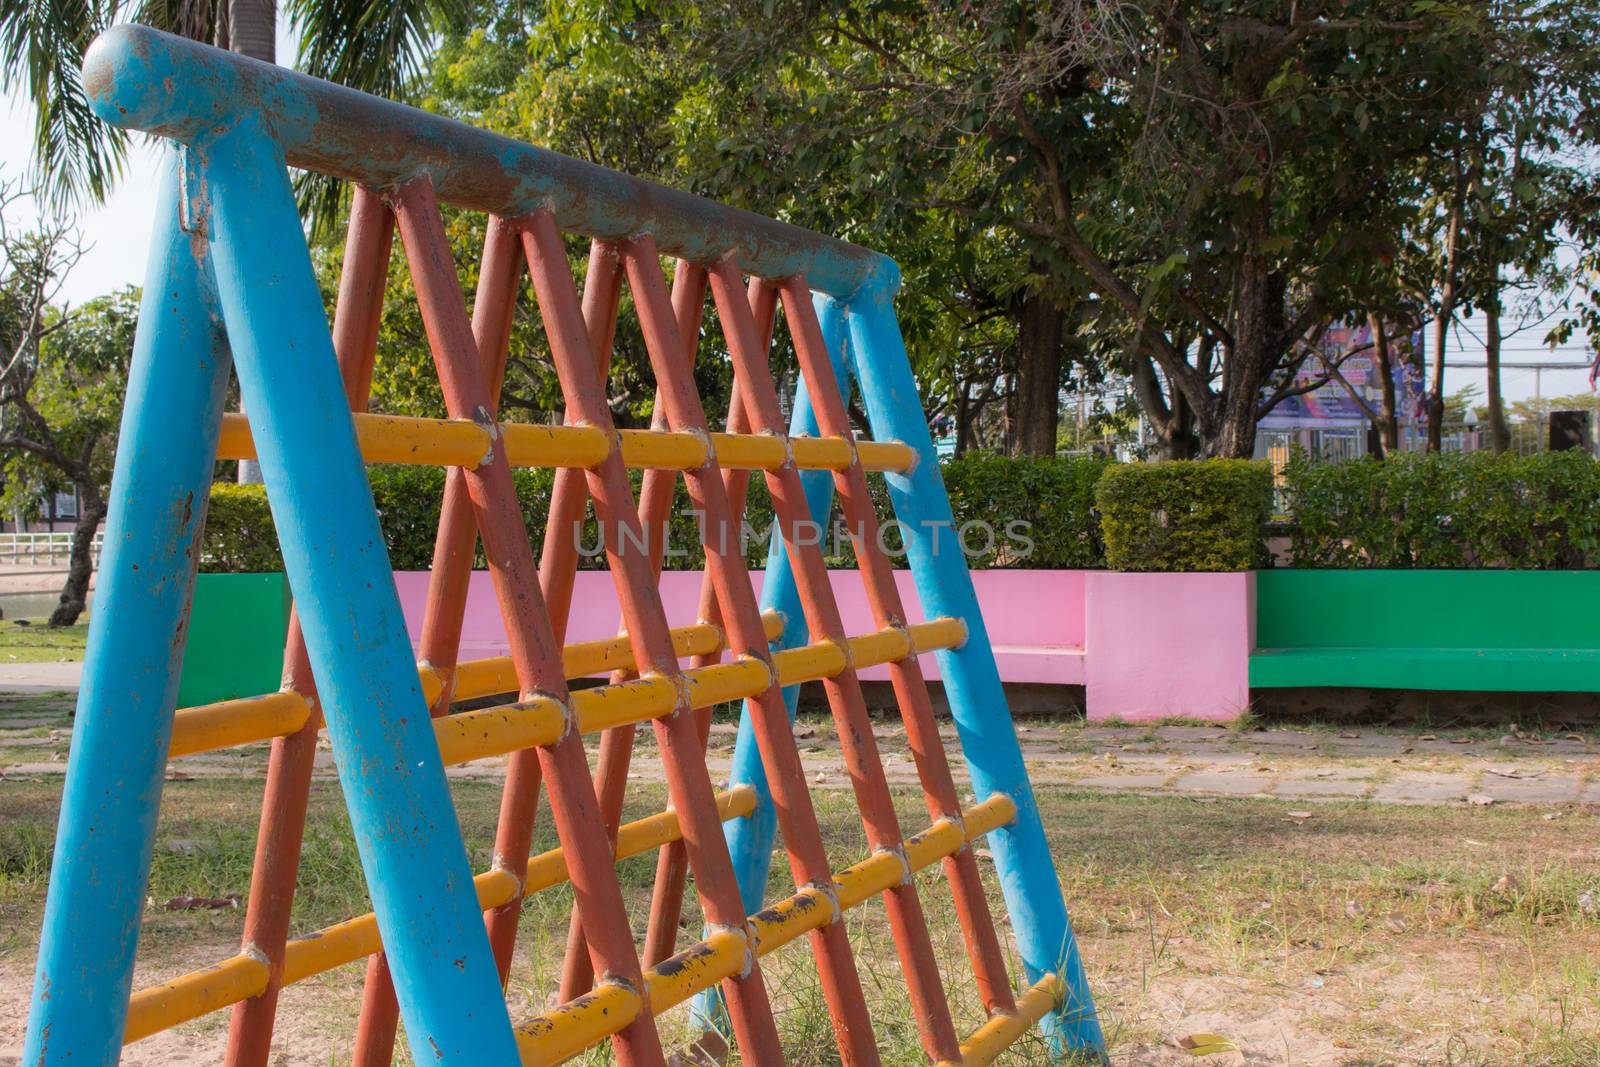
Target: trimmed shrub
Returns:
[239, 536]
[1449, 510]
[1205, 515]
[1040, 509]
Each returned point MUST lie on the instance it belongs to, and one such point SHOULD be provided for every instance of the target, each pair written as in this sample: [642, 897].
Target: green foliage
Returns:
[1185, 516]
[1055, 498]
[240, 537]
[1447, 510]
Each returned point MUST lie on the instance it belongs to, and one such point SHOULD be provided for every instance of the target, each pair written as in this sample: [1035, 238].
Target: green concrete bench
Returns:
[1529, 631]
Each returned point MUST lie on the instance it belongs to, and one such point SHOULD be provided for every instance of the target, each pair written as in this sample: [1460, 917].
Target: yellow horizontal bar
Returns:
[885, 646]
[236, 722]
[748, 451]
[998, 1034]
[495, 731]
[808, 662]
[463, 443]
[207, 727]
[486, 732]
[606, 706]
[554, 446]
[192, 995]
[885, 455]
[700, 966]
[722, 682]
[663, 450]
[946, 632]
[820, 453]
[384, 439]
[561, 1033]
[703, 965]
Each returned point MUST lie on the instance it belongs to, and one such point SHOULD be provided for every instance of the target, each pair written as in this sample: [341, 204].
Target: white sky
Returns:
[119, 231]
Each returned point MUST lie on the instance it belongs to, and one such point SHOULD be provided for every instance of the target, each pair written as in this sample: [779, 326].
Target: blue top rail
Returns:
[142, 79]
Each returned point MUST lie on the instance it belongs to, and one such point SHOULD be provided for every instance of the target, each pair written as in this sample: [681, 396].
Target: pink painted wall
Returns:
[1144, 646]
[1168, 645]
[1035, 618]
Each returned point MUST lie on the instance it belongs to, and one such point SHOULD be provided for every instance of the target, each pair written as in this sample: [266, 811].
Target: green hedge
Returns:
[239, 536]
[1442, 511]
[1185, 516]
[1054, 497]
[1455, 510]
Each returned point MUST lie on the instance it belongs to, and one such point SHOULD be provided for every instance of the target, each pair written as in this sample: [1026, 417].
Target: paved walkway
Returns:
[1300, 766]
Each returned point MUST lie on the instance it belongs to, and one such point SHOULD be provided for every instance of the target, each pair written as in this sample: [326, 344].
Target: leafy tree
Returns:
[61, 391]
[377, 48]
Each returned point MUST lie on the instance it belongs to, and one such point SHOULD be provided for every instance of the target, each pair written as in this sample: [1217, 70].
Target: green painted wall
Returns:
[236, 634]
[1534, 631]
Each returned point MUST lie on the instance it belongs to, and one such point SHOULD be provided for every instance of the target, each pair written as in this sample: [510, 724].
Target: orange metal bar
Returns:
[534, 647]
[725, 563]
[863, 763]
[642, 614]
[905, 675]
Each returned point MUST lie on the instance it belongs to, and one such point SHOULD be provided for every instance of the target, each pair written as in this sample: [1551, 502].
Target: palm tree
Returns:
[372, 45]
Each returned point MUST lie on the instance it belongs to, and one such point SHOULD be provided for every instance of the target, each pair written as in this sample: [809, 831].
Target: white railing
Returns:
[47, 548]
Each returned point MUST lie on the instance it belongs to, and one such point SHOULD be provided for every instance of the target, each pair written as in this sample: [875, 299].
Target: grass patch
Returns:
[38, 643]
[1361, 934]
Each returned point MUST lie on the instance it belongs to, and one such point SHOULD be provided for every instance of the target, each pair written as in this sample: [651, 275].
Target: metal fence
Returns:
[44, 549]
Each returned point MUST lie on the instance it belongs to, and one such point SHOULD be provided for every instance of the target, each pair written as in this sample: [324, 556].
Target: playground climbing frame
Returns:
[231, 288]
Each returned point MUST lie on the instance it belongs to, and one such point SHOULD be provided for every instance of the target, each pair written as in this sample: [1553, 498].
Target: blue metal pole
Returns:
[971, 680]
[389, 764]
[176, 386]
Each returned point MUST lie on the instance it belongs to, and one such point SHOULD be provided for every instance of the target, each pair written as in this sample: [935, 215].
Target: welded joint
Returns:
[957, 820]
[683, 698]
[830, 893]
[773, 679]
[613, 979]
[899, 853]
[899, 626]
[789, 462]
[708, 451]
[255, 952]
[843, 645]
[746, 932]
[916, 461]
[966, 634]
[484, 419]
[569, 710]
[500, 862]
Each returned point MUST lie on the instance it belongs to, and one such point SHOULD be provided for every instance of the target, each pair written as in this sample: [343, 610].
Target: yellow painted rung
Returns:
[462, 443]
[470, 735]
[208, 727]
[1001, 1031]
[560, 1033]
[236, 722]
[201, 992]
[192, 995]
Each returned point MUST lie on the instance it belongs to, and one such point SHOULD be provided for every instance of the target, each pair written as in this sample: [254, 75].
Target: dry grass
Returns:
[1363, 934]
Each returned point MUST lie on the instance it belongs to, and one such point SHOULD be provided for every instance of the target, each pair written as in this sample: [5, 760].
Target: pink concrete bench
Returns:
[1144, 646]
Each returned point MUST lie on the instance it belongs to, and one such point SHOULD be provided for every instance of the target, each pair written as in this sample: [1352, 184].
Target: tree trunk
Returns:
[1037, 396]
[75, 594]
[1499, 432]
[1258, 341]
[253, 28]
[963, 417]
[1441, 329]
[1383, 363]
